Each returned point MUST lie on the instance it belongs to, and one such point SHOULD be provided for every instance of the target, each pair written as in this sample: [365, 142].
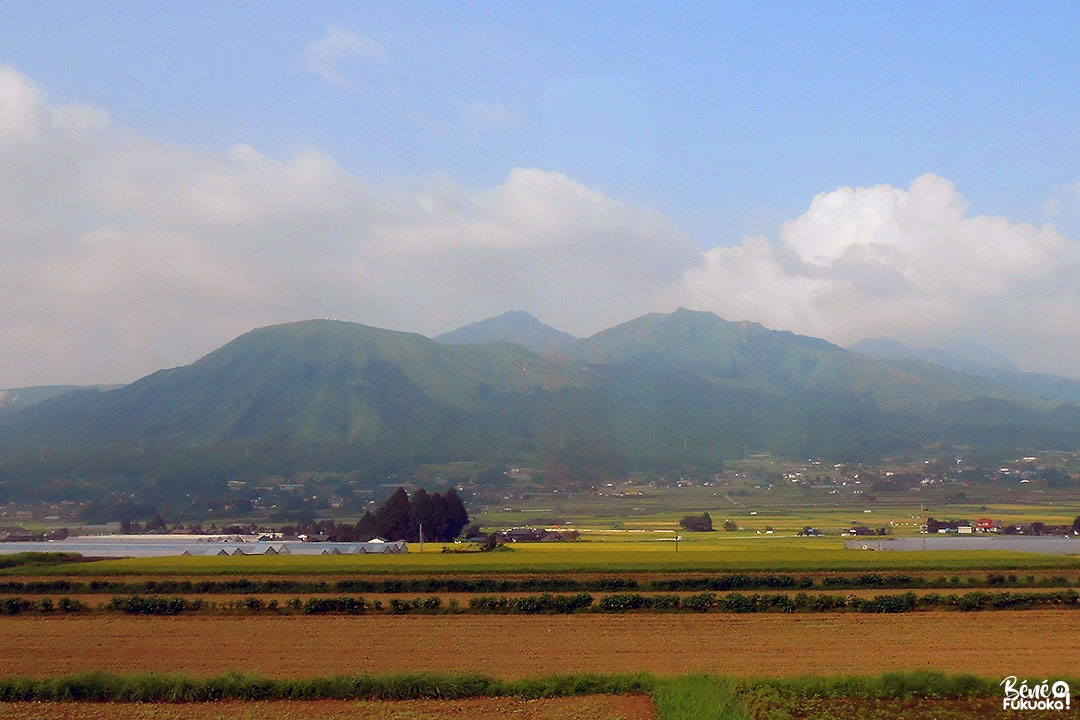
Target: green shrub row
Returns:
[733, 581]
[687, 697]
[238, 586]
[44, 606]
[548, 603]
[154, 605]
[999, 600]
[531, 604]
[823, 602]
[153, 687]
[901, 580]
[715, 583]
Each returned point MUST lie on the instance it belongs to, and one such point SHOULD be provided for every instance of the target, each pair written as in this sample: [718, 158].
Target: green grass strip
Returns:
[153, 687]
[687, 697]
[698, 697]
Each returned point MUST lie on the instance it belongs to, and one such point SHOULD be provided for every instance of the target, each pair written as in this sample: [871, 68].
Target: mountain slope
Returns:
[977, 362]
[321, 380]
[516, 327]
[15, 399]
[751, 357]
[662, 392]
[969, 358]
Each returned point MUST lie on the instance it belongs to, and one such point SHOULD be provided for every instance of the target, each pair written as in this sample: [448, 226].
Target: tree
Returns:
[459, 516]
[422, 515]
[440, 526]
[495, 476]
[698, 523]
[731, 525]
[1056, 478]
[366, 528]
[392, 519]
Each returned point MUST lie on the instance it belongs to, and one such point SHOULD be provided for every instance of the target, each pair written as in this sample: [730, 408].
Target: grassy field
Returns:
[611, 552]
[785, 508]
[918, 695]
[706, 665]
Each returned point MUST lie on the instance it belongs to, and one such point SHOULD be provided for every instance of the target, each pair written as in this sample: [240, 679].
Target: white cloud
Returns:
[325, 55]
[122, 255]
[21, 108]
[910, 264]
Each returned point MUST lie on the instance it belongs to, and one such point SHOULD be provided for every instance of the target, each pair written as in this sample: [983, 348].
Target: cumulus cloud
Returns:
[905, 263]
[123, 255]
[325, 55]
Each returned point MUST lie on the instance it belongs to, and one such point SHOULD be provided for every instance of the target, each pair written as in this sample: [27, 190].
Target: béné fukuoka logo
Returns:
[1040, 696]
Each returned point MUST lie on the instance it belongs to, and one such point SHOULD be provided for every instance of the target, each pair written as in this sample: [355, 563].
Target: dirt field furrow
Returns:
[994, 644]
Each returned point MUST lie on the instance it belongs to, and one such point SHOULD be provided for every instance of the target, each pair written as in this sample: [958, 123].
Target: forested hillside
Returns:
[662, 392]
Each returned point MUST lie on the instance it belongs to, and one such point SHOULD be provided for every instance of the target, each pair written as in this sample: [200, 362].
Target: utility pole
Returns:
[421, 537]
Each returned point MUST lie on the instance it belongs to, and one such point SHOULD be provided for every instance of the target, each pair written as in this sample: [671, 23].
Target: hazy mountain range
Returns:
[516, 327]
[686, 389]
[975, 360]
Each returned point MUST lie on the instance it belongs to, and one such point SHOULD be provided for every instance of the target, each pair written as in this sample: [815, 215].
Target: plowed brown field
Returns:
[995, 644]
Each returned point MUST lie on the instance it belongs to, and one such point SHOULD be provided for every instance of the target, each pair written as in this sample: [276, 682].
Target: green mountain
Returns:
[751, 357]
[979, 362]
[14, 399]
[321, 380]
[516, 327]
[664, 391]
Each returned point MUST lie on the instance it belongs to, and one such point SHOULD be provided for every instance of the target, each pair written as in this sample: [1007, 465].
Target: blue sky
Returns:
[430, 164]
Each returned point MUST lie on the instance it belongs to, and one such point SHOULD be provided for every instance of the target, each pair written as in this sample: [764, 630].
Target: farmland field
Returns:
[1033, 643]
[621, 554]
[707, 648]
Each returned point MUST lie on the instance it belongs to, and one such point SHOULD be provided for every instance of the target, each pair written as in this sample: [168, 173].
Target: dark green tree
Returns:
[697, 523]
[422, 515]
[441, 520]
[366, 528]
[392, 519]
[459, 516]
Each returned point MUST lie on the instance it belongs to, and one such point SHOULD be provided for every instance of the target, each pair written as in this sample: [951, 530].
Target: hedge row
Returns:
[822, 602]
[238, 586]
[531, 604]
[152, 687]
[683, 696]
[715, 583]
[547, 603]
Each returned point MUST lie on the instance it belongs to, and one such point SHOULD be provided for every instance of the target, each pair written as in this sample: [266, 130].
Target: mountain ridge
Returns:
[661, 391]
[515, 326]
[978, 362]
